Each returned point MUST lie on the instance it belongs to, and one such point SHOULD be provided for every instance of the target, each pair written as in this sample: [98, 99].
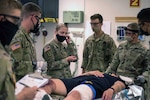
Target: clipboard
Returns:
[28, 81]
[32, 81]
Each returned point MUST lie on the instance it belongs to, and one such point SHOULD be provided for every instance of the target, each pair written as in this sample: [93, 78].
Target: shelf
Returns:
[125, 19]
[53, 20]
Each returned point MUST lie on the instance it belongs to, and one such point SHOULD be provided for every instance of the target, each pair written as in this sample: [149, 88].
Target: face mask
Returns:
[7, 31]
[142, 32]
[60, 38]
[128, 38]
[36, 28]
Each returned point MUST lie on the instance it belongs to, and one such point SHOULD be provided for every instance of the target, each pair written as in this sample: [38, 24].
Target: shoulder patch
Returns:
[15, 46]
[46, 48]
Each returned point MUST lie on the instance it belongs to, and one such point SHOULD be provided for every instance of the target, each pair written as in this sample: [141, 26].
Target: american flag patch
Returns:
[46, 48]
[15, 46]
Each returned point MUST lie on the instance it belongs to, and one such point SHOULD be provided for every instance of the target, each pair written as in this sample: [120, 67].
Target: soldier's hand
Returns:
[68, 40]
[96, 73]
[29, 93]
[83, 70]
[71, 58]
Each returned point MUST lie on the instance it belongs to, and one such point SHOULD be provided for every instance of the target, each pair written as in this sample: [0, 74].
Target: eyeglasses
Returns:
[15, 19]
[37, 17]
[95, 23]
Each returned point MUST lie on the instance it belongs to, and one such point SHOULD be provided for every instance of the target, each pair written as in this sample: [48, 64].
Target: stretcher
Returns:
[134, 92]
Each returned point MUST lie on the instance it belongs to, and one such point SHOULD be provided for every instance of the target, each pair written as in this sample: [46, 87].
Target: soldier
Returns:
[22, 46]
[129, 59]
[144, 23]
[99, 48]
[59, 55]
[10, 11]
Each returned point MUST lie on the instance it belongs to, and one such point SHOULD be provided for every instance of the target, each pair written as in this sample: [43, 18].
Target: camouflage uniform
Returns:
[55, 53]
[129, 60]
[98, 52]
[23, 53]
[7, 78]
[146, 75]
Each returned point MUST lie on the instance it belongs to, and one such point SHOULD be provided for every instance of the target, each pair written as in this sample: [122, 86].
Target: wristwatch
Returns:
[113, 90]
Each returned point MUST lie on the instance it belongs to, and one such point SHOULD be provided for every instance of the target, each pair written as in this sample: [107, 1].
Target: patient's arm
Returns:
[117, 87]
[96, 73]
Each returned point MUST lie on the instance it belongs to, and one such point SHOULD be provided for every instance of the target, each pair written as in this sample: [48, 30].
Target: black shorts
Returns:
[100, 84]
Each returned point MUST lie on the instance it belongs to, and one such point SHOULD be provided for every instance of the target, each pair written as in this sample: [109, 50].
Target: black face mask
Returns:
[143, 32]
[60, 38]
[36, 28]
[7, 31]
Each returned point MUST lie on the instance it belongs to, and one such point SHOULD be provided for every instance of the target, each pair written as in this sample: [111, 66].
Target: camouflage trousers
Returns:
[147, 91]
[57, 97]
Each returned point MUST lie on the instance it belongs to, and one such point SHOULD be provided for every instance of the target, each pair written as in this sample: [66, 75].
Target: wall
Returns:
[109, 9]
[41, 40]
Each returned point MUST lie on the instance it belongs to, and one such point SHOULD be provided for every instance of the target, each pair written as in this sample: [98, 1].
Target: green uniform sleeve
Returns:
[3, 72]
[71, 49]
[146, 75]
[114, 64]
[85, 56]
[111, 49]
[147, 69]
[22, 60]
[7, 78]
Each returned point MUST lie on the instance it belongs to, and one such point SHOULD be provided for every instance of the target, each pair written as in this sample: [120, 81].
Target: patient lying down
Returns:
[88, 86]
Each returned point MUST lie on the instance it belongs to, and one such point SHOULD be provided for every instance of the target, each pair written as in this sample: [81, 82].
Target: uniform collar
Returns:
[99, 37]
[57, 43]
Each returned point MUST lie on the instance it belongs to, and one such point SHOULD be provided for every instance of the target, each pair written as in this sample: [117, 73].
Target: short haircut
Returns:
[60, 26]
[30, 8]
[6, 6]
[144, 15]
[97, 16]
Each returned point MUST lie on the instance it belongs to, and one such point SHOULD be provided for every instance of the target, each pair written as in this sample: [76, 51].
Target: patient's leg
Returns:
[55, 86]
[74, 95]
[80, 92]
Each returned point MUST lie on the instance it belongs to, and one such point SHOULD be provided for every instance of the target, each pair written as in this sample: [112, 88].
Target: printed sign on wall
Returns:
[134, 3]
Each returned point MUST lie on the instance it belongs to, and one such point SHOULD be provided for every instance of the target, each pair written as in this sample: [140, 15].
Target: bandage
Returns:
[85, 91]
